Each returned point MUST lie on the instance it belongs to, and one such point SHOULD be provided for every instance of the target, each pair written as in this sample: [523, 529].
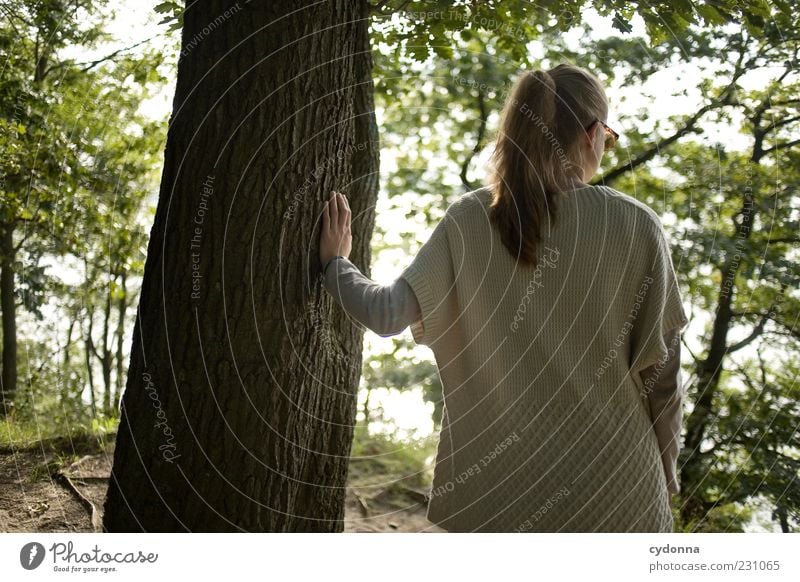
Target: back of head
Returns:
[538, 153]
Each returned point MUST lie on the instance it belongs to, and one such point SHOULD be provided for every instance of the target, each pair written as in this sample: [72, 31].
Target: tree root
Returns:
[94, 516]
[362, 504]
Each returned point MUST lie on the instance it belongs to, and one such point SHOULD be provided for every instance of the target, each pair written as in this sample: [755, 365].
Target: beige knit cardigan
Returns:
[546, 425]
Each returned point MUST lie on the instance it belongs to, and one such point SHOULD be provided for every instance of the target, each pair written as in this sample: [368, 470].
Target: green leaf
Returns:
[710, 14]
[165, 7]
[443, 51]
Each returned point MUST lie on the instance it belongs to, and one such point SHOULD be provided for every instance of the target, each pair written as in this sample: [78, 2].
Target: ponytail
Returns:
[531, 159]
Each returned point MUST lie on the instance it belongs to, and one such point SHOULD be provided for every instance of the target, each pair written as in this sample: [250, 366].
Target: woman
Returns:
[553, 312]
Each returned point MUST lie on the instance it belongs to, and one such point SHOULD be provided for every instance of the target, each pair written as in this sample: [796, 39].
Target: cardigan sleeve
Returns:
[431, 276]
[385, 309]
[663, 385]
[657, 307]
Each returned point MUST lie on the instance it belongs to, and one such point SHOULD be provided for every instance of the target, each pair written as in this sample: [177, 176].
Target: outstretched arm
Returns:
[385, 309]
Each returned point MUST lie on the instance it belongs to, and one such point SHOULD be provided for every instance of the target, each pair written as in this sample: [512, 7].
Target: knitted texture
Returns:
[546, 424]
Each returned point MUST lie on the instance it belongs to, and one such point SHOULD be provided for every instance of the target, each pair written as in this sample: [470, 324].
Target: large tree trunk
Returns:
[9, 310]
[240, 402]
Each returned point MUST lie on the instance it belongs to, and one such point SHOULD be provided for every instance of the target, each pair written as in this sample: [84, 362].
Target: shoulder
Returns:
[633, 210]
[474, 203]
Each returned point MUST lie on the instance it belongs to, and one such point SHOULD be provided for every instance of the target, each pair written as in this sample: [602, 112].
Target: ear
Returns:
[590, 135]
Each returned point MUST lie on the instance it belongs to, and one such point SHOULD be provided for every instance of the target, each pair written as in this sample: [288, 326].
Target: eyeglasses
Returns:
[611, 135]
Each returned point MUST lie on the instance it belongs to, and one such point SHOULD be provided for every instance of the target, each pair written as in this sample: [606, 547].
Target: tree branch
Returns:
[482, 116]
[688, 349]
[9, 14]
[784, 239]
[725, 98]
[89, 65]
[781, 146]
[757, 331]
[781, 123]
[760, 133]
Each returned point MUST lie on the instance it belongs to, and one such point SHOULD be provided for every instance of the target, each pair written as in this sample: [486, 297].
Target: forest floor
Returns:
[60, 485]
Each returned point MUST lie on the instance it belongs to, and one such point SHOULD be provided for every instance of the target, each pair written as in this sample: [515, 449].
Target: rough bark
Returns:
[240, 401]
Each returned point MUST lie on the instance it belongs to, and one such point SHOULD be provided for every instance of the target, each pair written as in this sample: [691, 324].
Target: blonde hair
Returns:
[538, 149]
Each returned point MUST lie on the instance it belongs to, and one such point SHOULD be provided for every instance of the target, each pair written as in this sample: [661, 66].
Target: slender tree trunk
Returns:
[67, 394]
[365, 409]
[67, 347]
[9, 308]
[106, 359]
[88, 351]
[240, 402]
[122, 308]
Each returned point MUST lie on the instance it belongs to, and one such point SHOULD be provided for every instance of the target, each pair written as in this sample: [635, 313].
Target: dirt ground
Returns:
[41, 491]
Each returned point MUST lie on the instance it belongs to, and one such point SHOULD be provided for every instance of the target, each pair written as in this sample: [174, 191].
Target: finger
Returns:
[326, 219]
[342, 210]
[347, 214]
[334, 211]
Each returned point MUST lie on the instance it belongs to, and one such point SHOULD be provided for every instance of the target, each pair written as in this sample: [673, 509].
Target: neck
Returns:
[573, 184]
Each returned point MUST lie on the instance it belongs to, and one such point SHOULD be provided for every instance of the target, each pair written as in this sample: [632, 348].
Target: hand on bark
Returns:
[335, 238]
